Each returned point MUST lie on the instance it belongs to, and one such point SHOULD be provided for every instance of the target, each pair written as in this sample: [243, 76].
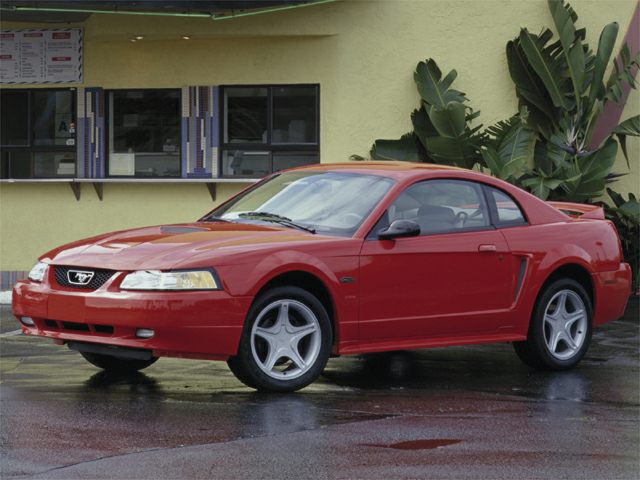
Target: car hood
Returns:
[170, 246]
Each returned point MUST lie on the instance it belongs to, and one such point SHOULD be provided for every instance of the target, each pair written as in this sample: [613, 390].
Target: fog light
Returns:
[28, 321]
[144, 333]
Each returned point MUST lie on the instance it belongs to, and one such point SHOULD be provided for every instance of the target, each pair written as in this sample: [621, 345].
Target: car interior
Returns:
[441, 206]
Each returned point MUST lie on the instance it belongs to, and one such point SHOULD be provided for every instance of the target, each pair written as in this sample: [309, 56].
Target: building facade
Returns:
[172, 115]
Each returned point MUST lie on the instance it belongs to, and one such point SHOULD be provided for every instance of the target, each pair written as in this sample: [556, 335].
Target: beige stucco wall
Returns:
[362, 53]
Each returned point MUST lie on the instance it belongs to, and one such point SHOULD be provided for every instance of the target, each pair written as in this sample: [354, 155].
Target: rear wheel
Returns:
[286, 341]
[560, 329]
[117, 364]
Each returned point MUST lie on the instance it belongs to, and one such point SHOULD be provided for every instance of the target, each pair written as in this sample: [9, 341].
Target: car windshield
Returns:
[334, 203]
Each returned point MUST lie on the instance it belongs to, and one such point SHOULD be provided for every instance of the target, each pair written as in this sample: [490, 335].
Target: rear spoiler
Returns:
[579, 210]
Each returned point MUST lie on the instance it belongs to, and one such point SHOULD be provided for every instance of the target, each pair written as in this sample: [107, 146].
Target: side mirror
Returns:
[398, 229]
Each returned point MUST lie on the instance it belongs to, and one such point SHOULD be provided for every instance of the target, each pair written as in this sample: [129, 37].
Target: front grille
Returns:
[76, 327]
[99, 278]
[106, 329]
[79, 327]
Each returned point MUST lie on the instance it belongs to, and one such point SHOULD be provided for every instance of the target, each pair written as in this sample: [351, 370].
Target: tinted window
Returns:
[37, 133]
[294, 115]
[507, 209]
[14, 121]
[52, 117]
[441, 206]
[144, 133]
[246, 111]
[269, 128]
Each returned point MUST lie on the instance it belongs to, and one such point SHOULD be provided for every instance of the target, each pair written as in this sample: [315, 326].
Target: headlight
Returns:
[178, 280]
[37, 272]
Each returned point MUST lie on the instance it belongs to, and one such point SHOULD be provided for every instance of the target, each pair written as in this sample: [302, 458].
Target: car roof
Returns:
[397, 170]
[393, 169]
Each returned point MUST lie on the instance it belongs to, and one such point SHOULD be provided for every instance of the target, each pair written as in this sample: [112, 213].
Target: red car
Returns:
[335, 260]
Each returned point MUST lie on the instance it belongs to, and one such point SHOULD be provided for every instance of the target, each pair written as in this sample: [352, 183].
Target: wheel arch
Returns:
[574, 271]
[312, 284]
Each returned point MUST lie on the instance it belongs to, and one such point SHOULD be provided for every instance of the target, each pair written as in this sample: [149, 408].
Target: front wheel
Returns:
[560, 329]
[117, 364]
[286, 341]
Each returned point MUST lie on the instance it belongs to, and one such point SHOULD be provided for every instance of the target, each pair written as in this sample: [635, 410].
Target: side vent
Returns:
[521, 270]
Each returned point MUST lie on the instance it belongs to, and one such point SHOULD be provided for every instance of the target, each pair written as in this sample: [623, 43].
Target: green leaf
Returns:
[528, 85]
[541, 186]
[564, 19]
[541, 160]
[598, 164]
[623, 74]
[618, 200]
[630, 127]
[585, 177]
[558, 156]
[511, 148]
[452, 151]
[432, 89]
[538, 121]
[449, 121]
[493, 161]
[422, 126]
[605, 48]
[632, 210]
[407, 148]
[543, 64]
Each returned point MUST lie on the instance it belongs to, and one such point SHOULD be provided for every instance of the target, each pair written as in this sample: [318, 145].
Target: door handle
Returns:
[487, 248]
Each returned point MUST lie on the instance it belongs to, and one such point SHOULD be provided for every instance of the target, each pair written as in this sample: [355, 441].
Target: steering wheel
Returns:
[462, 217]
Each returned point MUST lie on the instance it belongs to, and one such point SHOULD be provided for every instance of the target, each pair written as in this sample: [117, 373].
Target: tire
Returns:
[117, 364]
[285, 343]
[559, 335]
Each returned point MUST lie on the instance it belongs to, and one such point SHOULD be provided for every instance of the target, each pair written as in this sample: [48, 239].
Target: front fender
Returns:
[289, 261]
[249, 278]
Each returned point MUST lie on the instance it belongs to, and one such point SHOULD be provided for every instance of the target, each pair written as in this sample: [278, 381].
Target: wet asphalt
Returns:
[462, 412]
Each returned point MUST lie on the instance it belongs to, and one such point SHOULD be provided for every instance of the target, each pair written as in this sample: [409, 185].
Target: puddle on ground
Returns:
[424, 444]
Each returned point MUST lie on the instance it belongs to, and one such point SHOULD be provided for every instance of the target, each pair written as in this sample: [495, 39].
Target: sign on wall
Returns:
[41, 56]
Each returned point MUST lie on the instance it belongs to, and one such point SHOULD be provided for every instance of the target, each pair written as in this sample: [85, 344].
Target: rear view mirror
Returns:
[399, 229]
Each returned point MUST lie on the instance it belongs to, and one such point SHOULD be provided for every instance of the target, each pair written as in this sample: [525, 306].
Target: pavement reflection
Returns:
[472, 412]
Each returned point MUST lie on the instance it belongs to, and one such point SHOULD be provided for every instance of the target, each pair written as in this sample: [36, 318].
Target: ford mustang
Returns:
[336, 260]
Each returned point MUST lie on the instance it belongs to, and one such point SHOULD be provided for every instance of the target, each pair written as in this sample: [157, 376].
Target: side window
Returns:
[440, 206]
[507, 211]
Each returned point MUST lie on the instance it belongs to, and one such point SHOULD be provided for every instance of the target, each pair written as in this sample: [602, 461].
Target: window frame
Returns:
[477, 186]
[487, 196]
[107, 131]
[269, 146]
[31, 147]
[493, 208]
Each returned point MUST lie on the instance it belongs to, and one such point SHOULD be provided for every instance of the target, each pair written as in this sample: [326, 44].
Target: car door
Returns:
[454, 279]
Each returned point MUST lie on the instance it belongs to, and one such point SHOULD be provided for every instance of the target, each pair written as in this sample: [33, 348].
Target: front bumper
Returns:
[196, 324]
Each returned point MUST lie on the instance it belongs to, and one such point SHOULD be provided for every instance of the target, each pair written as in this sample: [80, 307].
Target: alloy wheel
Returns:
[565, 324]
[286, 339]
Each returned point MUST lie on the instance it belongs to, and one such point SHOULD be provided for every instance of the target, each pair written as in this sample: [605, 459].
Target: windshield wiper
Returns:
[215, 219]
[274, 217]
